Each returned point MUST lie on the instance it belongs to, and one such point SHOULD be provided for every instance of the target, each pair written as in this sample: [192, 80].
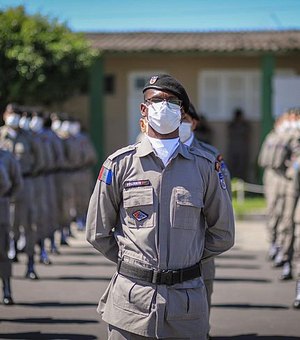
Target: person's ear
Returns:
[194, 124]
[143, 125]
[144, 109]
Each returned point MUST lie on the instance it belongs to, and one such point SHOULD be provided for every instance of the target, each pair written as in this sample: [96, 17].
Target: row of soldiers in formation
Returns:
[280, 158]
[45, 183]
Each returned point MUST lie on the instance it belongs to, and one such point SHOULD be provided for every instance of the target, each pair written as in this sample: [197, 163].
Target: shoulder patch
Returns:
[122, 151]
[105, 175]
[202, 153]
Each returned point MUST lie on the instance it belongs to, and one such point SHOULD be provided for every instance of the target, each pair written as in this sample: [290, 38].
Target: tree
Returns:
[41, 60]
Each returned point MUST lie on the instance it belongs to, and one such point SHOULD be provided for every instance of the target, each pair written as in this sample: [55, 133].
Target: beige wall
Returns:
[186, 70]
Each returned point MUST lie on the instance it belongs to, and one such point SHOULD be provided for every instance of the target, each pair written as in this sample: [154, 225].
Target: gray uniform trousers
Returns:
[25, 215]
[296, 257]
[40, 197]
[5, 263]
[115, 333]
[52, 208]
[64, 198]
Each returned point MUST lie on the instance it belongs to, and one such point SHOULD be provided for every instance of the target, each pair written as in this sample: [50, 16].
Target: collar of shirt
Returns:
[145, 147]
[164, 148]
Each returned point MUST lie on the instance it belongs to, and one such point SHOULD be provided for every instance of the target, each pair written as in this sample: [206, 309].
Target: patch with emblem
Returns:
[105, 175]
[153, 80]
[217, 166]
[139, 215]
[222, 180]
[137, 183]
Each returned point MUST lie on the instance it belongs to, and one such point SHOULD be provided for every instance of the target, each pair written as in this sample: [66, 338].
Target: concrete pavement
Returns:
[249, 301]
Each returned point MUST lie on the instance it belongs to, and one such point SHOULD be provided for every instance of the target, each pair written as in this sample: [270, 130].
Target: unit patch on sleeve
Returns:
[222, 180]
[137, 183]
[139, 215]
[105, 175]
[217, 166]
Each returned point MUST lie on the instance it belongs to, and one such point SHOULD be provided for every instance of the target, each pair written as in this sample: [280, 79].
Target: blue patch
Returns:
[222, 180]
[139, 215]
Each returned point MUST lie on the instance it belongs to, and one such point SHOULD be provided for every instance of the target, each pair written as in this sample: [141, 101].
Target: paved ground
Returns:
[249, 301]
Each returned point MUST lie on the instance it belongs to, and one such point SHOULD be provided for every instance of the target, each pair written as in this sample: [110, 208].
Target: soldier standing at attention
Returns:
[10, 184]
[17, 141]
[187, 136]
[158, 210]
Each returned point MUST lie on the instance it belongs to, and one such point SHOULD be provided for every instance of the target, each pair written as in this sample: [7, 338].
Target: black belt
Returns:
[158, 276]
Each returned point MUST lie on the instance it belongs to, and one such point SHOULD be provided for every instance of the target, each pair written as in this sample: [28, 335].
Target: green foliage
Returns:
[249, 206]
[41, 60]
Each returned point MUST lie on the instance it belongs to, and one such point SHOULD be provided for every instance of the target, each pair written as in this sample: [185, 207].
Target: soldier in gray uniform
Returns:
[282, 159]
[186, 135]
[271, 181]
[10, 184]
[72, 164]
[83, 181]
[287, 226]
[17, 141]
[293, 248]
[45, 187]
[158, 210]
[59, 176]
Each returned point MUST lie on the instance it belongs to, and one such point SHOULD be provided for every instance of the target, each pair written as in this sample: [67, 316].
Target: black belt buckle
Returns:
[167, 277]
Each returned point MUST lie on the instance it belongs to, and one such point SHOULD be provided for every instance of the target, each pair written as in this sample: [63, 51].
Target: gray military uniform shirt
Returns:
[154, 216]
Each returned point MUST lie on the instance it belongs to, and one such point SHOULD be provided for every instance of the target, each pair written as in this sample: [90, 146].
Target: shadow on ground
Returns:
[49, 336]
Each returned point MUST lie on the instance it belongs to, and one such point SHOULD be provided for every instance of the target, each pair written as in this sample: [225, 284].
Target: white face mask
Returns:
[12, 120]
[65, 127]
[164, 117]
[74, 128]
[55, 125]
[185, 131]
[24, 123]
[36, 124]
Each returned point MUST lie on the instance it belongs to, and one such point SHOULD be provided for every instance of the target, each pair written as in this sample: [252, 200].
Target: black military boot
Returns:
[53, 247]
[296, 303]
[7, 299]
[44, 258]
[31, 274]
[287, 271]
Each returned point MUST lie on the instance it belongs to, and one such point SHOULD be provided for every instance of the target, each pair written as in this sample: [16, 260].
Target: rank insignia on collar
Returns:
[222, 180]
[139, 215]
[153, 80]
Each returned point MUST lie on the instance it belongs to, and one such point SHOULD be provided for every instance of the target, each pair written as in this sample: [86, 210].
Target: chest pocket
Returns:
[187, 209]
[138, 203]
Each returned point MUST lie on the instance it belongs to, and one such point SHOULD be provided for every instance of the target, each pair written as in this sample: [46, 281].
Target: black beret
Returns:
[192, 112]
[165, 82]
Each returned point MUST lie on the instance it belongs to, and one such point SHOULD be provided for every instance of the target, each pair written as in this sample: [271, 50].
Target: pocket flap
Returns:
[137, 196]
[189, 198]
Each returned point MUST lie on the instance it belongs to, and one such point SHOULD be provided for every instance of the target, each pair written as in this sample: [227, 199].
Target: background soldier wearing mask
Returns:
[186, 135]
[158, 209]
[83, 183]
[10, 183]
[272, 187]
[16, 140]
